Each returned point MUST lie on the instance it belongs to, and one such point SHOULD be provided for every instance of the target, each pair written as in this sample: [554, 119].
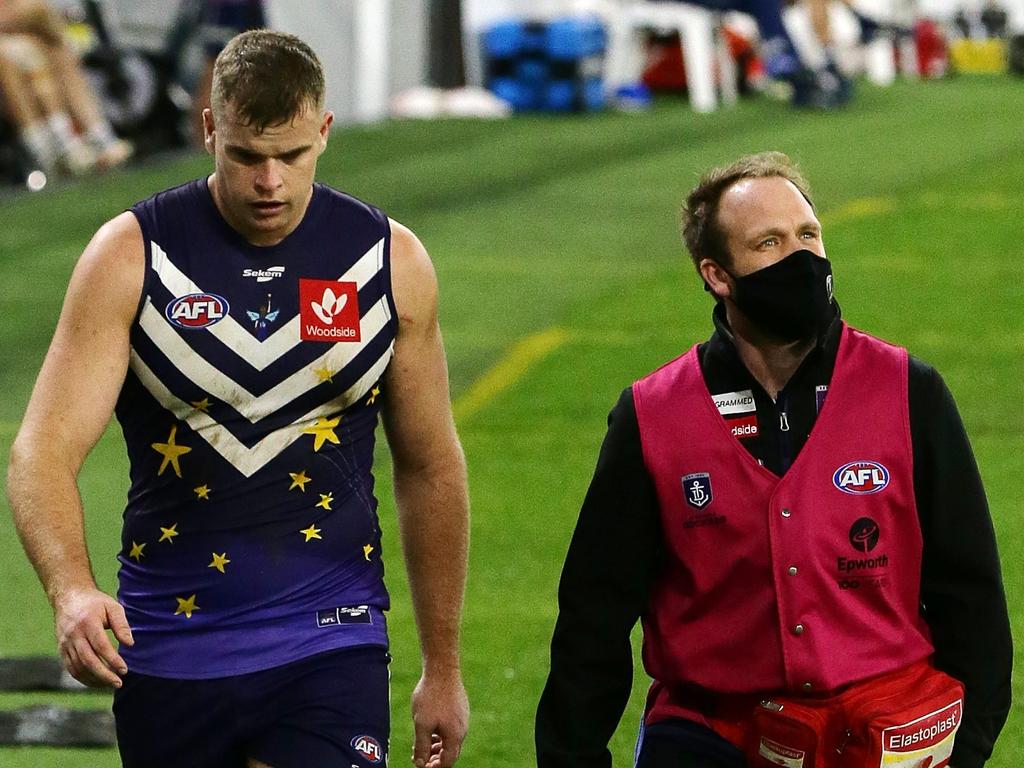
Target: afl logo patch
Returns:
[197, 310]
[861, 477]
[368, 748]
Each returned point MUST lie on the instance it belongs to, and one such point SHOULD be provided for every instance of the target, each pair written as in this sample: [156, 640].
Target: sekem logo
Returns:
[328, 310]
[264, 275]
[197, 310]
[861, 477]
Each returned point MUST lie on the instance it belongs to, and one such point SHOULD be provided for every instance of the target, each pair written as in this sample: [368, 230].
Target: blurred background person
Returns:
[55, 112]
[221, 20]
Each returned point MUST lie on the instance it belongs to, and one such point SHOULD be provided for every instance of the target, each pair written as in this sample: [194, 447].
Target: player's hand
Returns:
[81, 618]
[440, 716]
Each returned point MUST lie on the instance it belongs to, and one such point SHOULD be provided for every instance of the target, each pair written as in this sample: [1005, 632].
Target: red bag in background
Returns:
[932, 53]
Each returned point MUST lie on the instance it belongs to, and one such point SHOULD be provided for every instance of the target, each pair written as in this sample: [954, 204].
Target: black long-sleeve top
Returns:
[615, 556]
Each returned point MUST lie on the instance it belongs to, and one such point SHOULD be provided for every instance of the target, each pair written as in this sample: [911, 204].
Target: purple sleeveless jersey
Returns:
[249, 410]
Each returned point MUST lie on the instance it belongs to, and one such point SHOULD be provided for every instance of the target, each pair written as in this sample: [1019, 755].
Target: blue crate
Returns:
[553, 66]
[571, 39]
[504, 40]
[569, 95]
[523, 96]
[510, 39]
[532, 70]
[559, 96]
[593, 94]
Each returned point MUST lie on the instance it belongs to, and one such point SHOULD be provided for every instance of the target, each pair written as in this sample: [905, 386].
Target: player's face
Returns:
[765, 220]
[263, 181]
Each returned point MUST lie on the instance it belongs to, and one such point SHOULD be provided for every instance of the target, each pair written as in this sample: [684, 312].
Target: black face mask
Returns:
[791, 299]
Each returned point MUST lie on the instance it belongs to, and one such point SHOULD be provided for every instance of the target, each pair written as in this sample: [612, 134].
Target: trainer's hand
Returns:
[81, 618]
[440, 715]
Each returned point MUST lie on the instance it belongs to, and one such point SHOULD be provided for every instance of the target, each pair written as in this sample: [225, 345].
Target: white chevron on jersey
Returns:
[246, 460]
[259, 354]
[208, 377]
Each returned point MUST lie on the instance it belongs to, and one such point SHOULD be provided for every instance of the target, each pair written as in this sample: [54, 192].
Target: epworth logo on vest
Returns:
[328, 310]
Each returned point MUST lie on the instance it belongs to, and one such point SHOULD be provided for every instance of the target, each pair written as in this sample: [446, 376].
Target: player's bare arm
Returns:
[432, 499]
[70, 407]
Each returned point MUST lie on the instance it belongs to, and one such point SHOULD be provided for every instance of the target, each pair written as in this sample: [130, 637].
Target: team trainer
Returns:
[793, 510]
[247, 329]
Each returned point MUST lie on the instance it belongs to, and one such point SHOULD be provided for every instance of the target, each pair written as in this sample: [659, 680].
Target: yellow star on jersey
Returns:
[323, 432]
[325, 500]
[168, 534]
[171, 452]
[137, 551]
[299, 480]
[219, 561]
[312, 532]
[373, 396]
[186, 606]
[202, 492]
[201, 405]
[324, 374]
[367, 549]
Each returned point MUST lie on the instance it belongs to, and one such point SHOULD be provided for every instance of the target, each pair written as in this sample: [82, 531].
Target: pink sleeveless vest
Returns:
[804, 583]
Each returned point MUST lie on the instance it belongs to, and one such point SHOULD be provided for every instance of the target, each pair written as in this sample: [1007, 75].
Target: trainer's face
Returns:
[262, 181]
[763, 220]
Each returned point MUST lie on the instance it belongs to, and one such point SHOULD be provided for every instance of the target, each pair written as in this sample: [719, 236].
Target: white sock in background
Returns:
[62, 128]
[38, 142]
[111, 151]
[100, 135]
[76, 156]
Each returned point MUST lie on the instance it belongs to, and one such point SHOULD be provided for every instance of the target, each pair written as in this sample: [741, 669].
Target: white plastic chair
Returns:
[702, 44]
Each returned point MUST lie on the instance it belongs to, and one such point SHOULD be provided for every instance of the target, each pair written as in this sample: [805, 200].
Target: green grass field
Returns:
[571, 223]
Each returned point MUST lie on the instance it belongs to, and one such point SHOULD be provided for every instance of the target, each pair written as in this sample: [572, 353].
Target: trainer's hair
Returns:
[267, 78]
[703, 237]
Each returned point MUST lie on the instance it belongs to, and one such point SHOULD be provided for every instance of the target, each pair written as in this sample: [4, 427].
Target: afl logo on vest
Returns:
[368, 748]
[197, 310]
[861, 477]
[329, 310]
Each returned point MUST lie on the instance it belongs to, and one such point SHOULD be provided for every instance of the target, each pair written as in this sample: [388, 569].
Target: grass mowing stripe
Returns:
[860, 208]
[507, 371]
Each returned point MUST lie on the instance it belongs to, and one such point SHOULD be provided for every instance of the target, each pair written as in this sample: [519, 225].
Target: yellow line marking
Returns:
[859, 209]
[985, 201]
[523, 355]
[865, 207]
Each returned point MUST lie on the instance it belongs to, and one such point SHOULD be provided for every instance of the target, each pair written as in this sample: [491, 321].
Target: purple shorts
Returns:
[328, 709]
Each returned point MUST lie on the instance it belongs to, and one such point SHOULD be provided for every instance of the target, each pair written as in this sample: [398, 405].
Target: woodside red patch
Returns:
[328, 310]
[744, 427]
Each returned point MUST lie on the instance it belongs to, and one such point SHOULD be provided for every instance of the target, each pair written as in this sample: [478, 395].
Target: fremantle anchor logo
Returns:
[697, 489]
